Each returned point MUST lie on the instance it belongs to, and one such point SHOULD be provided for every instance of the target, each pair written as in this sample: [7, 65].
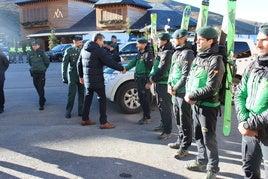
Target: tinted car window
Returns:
[242, 50]
[130, 48]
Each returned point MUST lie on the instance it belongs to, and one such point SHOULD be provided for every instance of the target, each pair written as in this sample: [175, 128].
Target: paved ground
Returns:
[43, 144]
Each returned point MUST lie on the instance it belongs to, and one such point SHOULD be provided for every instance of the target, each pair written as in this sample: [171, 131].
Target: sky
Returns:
[254, 10]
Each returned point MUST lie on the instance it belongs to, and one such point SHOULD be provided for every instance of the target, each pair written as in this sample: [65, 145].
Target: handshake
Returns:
[124, 71]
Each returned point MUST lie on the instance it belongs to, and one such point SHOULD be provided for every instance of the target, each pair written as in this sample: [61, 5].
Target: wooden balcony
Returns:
[35, 24]
[111, 24]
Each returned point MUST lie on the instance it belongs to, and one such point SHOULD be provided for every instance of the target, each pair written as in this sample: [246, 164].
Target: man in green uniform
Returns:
[39, 63]
[202, 91]
[180, 66]
[159, 75]
[70, 76]
[143, 63]
[251, 102]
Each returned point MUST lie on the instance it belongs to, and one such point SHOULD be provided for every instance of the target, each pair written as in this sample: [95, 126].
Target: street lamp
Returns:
[167, 26]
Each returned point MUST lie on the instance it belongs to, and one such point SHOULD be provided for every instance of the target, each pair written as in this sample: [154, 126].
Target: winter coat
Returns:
[4, 63]
[38, 61]
[161, 67]
[180, 66]
[143, 63]
[91, 62]
[205, 78]
[251, 96]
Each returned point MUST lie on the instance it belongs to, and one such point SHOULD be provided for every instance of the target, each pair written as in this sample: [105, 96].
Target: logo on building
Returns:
[58, 14]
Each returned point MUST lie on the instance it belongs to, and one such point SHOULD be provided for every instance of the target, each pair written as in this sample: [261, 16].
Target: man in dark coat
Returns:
[39, 63]
[4, 63]
[90, 66]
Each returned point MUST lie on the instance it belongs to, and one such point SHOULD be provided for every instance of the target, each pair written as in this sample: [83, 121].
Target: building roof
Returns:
[139, 3]
[163, 14]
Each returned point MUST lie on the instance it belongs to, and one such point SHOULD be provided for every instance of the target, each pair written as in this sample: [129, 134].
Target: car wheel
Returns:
[127, 98]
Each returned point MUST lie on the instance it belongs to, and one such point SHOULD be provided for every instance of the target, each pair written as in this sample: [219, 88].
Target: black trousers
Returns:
[39, 81]
[183, 117]
[102, 103]
[253, 151]
[164, 106]
[205, 120]
[144, 96]
[2, 95]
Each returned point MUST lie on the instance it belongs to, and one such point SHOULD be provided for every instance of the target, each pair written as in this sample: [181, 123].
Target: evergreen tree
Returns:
[52, 39]
[128, 30]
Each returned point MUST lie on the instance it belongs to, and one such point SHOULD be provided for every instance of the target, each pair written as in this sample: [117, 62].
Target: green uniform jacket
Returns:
[161, 67]
[69, 69]
[251, 97]
[38, 61]
[143, 63]
[205, 77]
[180, 66]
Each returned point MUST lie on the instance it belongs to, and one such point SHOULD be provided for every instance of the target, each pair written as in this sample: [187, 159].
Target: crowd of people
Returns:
[187, 84]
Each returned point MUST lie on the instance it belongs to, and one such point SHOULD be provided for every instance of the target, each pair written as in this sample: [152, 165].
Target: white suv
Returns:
[122, 89]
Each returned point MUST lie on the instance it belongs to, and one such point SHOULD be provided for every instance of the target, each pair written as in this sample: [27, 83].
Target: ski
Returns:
[203, 14]
[154, 32]
[228, 33]
[202, 17]
[186, 17]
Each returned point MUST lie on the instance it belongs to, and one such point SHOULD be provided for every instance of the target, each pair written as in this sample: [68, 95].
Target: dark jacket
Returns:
[251, 97]
[91, 62]
[4, 63]
[38, 61]
[162, 62]
[180, 66]
[143, 63]
[205, 77]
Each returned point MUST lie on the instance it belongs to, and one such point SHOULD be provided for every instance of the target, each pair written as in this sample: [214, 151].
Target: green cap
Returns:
[142, 41]
[264, 28]
[207, 32]
[35, 42]
[77, 37]
[164, 36]
[179, 33]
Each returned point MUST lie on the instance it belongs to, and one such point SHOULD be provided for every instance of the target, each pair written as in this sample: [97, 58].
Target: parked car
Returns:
[122, 89]
[57, 52]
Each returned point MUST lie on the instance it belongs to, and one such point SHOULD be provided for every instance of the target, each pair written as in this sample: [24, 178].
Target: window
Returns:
[130, 48]
[111, 14]
[242, 50]
[35, 14]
